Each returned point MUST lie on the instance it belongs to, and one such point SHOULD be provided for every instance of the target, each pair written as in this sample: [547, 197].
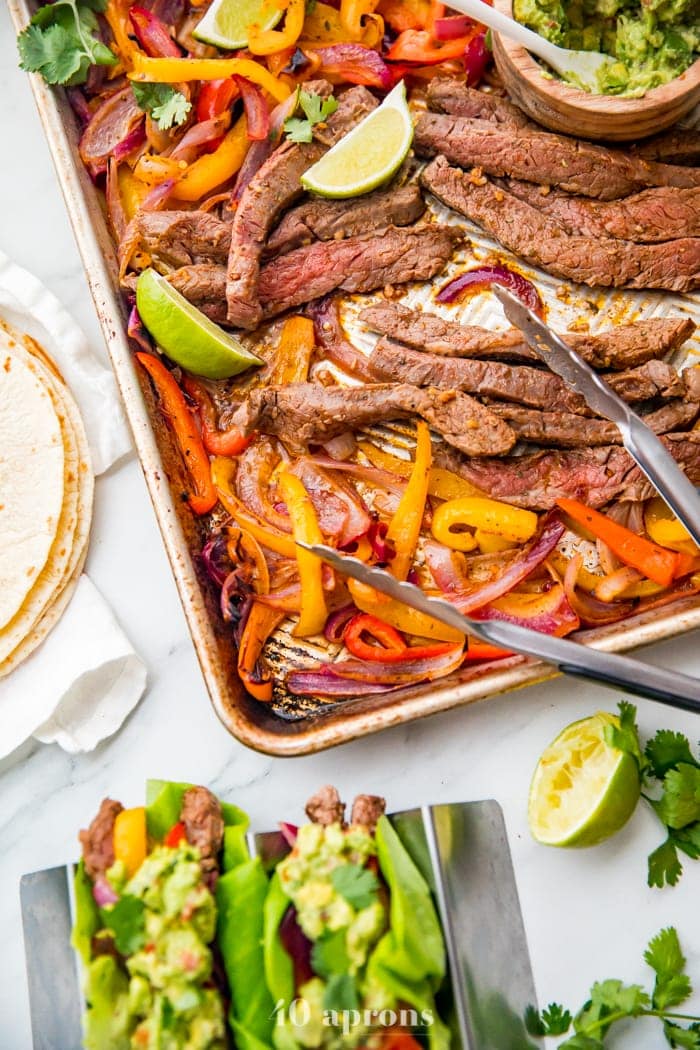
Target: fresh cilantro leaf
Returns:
[60, 42]
[666, 959]
[127, 921]
[298, 130]
[625, 737]
[687, 1038]
[688, 840]
[664, 867]
[329, 954]
[555, 1020]
[316, 110]
[667, 750]
[340, 993]
[607, 999]
[579, 1041]
[534, 1024]
[166, 105]
[357, 885]
[680, 803]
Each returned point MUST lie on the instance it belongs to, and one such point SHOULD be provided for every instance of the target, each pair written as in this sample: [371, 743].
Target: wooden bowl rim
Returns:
[607, 105]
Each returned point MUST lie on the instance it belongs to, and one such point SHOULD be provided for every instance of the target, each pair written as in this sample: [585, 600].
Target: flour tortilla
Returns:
[51, 591]
[32, 462]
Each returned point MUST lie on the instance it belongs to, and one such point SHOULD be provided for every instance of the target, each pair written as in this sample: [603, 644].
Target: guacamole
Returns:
[652, 42]
[161, 997]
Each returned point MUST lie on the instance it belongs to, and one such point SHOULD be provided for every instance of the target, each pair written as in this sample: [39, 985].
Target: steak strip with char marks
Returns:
[98, 840]
[446, 95]
[540, 156]
[674, 265]
[271, 190]
[621, 347]
[204, 826]
[303, 414]
[677, 146]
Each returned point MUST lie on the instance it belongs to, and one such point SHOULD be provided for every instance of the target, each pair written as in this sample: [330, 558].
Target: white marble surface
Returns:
[588, 915]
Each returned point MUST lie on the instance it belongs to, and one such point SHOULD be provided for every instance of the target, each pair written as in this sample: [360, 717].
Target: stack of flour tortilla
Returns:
[46, 493]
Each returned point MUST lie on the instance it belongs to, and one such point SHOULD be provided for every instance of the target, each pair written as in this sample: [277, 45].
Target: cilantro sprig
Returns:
[316, 110]
[612, 1001]
[166, 105]
[61, 44]
[358, 886]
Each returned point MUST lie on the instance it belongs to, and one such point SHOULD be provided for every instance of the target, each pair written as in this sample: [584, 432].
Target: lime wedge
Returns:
[189, 338]
[583, 790]
[226, 22]
[368, 155]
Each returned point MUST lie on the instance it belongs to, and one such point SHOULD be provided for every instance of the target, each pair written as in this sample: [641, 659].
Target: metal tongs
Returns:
[656, 462]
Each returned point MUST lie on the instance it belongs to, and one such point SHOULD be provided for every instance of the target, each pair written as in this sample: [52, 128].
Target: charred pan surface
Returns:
[673, 265]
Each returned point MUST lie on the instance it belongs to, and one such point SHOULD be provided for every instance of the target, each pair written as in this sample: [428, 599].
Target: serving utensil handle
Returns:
[500, 23]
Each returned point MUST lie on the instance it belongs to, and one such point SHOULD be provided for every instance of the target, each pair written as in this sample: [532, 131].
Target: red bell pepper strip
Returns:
[484, 651]
[152, 34]
[189, 441]
[215, 97]
[391, 648]
[419, 46]
[176, 835]
[216, 442]
[657, 564]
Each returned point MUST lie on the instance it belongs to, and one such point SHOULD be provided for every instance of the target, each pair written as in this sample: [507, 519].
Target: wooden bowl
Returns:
[560, 107]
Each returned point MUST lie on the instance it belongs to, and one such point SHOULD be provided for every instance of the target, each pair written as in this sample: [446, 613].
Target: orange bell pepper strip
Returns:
[222, 472]
[392, 649]
[173, 404]
[260, 624]
[352, 15]
[418, 45]
[305, 527]
[183, 70]
[477, 650]
[400, 616]
[217, 442]
[212, 170]
[239, 544]
[270, 41]
[405, 14]
[657, 564]
[404, 528]
[129, 838]
[293, 354]
[441, 483]
[175, 836]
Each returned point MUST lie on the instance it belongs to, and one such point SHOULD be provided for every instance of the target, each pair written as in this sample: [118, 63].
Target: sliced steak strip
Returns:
[204, 825]
[323, 220]
[181, 238]
[539, 156]
[98, 840]
[621, 347]
[367, 809]
[539, 239]
[565, 430]
[271, 190]
[303, 414]
[677, 146]
[594, 475]
[358, 264]
[325, 807]
[654, 379]
[650, 217]
[204, 286]
[446, 95]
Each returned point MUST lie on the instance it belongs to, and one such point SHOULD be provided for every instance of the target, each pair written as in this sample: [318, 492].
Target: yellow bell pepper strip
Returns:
[213, 169]
[270, 41]
[441, 483]
[400, 616]
[654, 562]
[176, 409]
[322, 25]
[405, 14]
[353, 14]
[404, 527]
[314, 611]
[260, 624]
[664, 528]
[240, 543]
[152, 169]
[222, 472]
[489, 543]
[131, 190]
[116, 13]
[293, 355]
[183, 70]
[129, 838]
[489, 515]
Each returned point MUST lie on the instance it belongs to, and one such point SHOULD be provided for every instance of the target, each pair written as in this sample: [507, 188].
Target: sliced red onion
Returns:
[342, 446]
[115, 208]
[289, 832]
[341, 514]
[115, 130]
[156, 199]
[260, 151]
[592, 611]
[452, 27]
[79, 105]
[152, 34]
[615, 583]
[383, 479]
[297, 945]
[215, 559]
[199, 135]
[256, 111]
[381, 548]
[137, 331]
[483, 277]
[354, 64]
[133, 141]
[403, 673]
[168, 11]
[330, 335]
[552, 614]
[103, 893]
[335, 624]
[318, 683]
[445, 567]
[476, 59]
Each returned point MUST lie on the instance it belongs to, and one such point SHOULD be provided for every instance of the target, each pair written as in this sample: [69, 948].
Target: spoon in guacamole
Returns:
[586, 69]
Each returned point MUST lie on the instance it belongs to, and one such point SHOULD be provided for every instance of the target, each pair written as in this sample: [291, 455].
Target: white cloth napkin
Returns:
[77, 688]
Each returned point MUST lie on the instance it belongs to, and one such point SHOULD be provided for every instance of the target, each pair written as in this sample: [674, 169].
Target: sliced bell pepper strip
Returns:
[176, 835]
[129, 838]
[117, 15]
[441, 483]
[477, 650]
[152, 34]
[404, 528]
[241, 542]
[182, 70]
[405, 14]
[293, 354]
[391, 648]
[664, 528]
[215, 97]
[418, 45]
[211, 170]
[402, 617]
[188, 438]
[656, 563]
[260, 624]
[217, 442]
[270, 41]
[222, 471]
[489, 515]
[352, 14]
[489, 543]
[131, 190]
[314, 611]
